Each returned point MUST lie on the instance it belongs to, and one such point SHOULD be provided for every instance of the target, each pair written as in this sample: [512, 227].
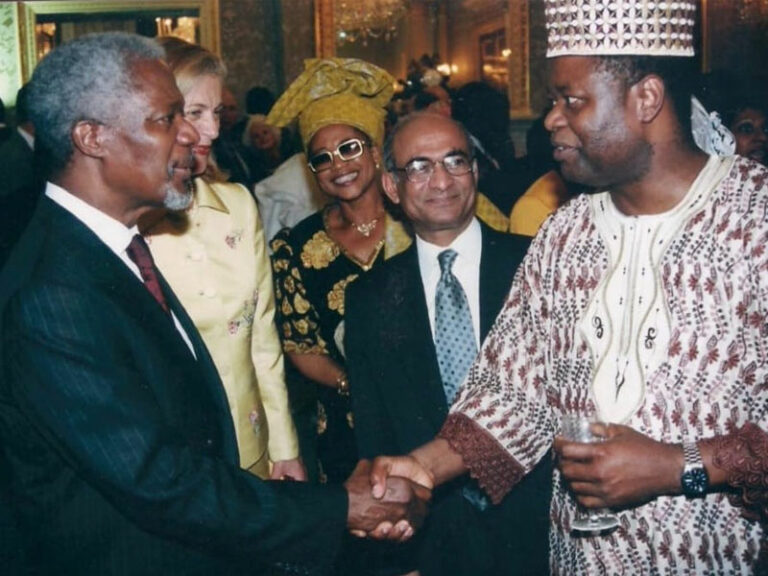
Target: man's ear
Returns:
[649, 93]
[475, 172]
[390, 187]
[90, 137]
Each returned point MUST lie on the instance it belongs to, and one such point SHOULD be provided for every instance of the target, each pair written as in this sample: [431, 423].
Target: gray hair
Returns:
[88, 79]
[390, 165]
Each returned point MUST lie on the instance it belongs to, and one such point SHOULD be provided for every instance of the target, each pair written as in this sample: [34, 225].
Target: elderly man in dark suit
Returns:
[117, 439]
[413, 327]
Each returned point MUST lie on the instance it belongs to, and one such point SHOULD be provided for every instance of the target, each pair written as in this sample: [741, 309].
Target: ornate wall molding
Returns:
[325, 37]
[518, 31]
[10, 68]
[208, 11]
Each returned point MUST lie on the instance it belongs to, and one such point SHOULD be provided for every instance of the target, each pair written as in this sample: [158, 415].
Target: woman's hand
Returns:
[289, 470]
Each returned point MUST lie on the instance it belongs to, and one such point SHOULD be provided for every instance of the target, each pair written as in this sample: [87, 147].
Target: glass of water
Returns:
[578, 428]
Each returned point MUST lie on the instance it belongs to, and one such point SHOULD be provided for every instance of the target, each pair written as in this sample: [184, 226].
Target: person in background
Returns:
[546, 191]
[5, 130]
[231, 156]
[230, 112]
[340, 107]
[643, 302]
[288, 195]
[270, 145]
[119, 454]
[729, 115]
[214, 256]
[21, 182]
[259, 100]
[484, 111]
[434, 99]
[747, 118]
[17, 151]
[403, 384]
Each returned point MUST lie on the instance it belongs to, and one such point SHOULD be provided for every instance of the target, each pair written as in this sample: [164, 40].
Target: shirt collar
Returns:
[28, 138]
[396, 237]
[467, 245]
[113, 233]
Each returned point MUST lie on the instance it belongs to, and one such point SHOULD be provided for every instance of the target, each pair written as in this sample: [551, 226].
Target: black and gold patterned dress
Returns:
[311, 272]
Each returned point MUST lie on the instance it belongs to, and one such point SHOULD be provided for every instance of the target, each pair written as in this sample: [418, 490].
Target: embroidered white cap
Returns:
[619, 27]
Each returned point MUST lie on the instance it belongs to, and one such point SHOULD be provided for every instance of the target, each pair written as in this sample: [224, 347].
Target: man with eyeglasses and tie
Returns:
[413, 328]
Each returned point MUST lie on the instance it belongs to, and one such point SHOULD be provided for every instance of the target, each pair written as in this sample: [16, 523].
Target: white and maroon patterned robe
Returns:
[698, 355]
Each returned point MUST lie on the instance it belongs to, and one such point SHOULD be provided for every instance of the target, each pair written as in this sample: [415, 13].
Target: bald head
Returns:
[431, 174]
[420, 118]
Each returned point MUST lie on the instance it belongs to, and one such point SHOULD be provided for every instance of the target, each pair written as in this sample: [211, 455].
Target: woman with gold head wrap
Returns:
[339, 104]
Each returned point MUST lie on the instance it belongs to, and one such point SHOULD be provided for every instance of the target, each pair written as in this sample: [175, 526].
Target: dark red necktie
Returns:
[139, 252]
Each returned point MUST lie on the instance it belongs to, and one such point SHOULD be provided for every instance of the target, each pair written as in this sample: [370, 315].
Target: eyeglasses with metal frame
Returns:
[420, 170]
[345, 151]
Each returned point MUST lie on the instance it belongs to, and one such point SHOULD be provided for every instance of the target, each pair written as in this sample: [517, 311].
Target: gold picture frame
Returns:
[28, 12]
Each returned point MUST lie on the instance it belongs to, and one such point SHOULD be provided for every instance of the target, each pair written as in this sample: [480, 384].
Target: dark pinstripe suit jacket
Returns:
[119, 444]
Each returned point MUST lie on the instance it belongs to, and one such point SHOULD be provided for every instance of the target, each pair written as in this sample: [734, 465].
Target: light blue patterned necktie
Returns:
[454, 335]
[455, 343]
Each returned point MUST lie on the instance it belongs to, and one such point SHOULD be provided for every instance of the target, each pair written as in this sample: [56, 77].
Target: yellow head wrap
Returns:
[336, 91]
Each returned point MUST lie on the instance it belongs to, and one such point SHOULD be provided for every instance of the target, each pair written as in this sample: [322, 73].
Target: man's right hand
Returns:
[427, 466]
[397, 509]
[403, 466]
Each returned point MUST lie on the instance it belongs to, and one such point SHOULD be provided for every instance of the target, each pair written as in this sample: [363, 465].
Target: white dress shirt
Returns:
[113, 233]
[469, 246]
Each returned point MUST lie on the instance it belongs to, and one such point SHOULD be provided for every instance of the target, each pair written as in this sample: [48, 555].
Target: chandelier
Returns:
[363, 19]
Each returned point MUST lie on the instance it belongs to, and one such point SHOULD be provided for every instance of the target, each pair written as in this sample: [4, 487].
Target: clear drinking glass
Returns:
[577, 428]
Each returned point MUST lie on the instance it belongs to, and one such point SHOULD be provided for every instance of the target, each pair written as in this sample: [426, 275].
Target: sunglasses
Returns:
[346, 151]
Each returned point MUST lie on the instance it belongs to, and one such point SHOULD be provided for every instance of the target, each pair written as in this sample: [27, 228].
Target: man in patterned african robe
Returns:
[645, 302]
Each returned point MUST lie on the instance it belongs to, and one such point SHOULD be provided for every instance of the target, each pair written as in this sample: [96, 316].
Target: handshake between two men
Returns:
[383, 505]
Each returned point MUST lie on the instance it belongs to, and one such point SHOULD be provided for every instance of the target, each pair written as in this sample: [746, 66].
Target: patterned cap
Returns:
[619, 27]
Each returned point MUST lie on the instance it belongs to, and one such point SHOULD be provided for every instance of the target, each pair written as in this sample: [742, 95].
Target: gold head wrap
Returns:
[336, 91]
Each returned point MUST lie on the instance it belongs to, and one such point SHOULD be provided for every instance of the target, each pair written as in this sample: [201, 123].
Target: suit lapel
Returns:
[495, 279]
[416, 349]
[97, 265]
[502, 256]
[205, 364]
[114, 277]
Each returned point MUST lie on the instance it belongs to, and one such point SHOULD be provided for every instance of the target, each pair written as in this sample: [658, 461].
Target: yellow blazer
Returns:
[214, 257]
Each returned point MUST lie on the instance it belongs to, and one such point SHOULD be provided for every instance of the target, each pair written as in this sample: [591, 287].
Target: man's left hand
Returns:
[625, 470]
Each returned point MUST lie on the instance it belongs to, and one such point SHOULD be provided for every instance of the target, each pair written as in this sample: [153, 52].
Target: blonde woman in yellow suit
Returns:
[214, 257]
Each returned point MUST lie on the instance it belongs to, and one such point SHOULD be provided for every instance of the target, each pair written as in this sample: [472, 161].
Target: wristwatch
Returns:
[694, 479]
